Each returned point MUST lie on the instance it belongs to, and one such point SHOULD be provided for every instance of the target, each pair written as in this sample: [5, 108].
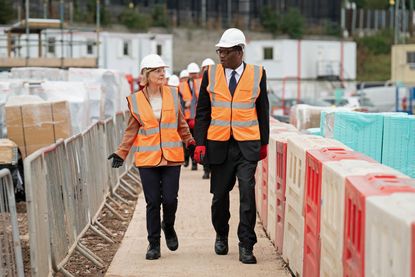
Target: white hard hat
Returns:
[173, 81]
[232, 37]
[207, 61]
[152, 61]
[193, 68]
[184, 74]
[167, 73]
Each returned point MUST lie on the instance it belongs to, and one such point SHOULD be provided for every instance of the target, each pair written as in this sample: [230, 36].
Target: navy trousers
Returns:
[160, 186]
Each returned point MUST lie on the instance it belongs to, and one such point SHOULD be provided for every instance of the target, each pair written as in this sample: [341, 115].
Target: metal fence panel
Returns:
[11, 262]
[37, 214]
[58, 224]
[77, 183]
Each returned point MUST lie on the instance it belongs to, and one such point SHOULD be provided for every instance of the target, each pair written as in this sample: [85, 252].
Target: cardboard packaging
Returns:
[8, 152]
[33, 126]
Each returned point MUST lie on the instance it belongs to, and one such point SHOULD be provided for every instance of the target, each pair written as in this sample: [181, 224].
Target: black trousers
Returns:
[223, 178]
[160, 186]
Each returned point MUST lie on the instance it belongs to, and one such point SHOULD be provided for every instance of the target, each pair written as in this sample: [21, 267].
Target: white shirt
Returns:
[156, 104]
[239, 71]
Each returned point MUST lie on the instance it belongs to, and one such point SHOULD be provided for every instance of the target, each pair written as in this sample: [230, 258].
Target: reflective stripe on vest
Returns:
[186, 94]
[195, 97]
[235, 114]
[156, 139]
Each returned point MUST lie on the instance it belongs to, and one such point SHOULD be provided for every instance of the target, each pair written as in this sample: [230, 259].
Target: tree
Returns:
[159, 16]
[270, 20]
[134, 21]
[6, 11]
[293, 23]
[91, 16]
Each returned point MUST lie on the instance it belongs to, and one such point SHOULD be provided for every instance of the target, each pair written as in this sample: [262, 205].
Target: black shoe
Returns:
[186, 163]
[153, 251]
[194, 166]
[205, 175]
[221, 245]
[246, 256]
[171, 237]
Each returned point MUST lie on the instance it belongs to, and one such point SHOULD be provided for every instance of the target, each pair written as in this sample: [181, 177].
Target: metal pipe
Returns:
[98, 23]
[27, 32]
[62, 19]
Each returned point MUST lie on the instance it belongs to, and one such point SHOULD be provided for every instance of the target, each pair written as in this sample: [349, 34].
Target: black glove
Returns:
[116, 160]
[191, 149]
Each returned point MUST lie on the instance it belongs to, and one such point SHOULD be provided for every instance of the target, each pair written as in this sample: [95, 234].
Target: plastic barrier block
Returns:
[389, 225]
[264, 203]
[332, 208]
[360, 131]
[280, 194]
[258, 186]
[293, 240]
[312, 204]
[399, 128]
[358, 188]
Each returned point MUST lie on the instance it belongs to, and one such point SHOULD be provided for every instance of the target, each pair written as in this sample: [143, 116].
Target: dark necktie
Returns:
[232, 83]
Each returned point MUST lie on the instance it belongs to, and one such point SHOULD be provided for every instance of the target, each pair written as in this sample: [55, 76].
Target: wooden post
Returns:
[39, 39]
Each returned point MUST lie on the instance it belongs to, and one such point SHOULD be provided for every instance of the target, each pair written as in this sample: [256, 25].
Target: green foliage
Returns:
[91, 14]
[293, 23]
[6, 11]
[135, 21]
[270, 20]
[377, 44]
[332, 29]
[159, 16]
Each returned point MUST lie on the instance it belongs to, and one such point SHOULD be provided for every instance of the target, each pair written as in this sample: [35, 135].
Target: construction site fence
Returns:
[67, 184]
[11, 262]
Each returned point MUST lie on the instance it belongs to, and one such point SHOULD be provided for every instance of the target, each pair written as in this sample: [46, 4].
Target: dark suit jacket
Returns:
[217, 150]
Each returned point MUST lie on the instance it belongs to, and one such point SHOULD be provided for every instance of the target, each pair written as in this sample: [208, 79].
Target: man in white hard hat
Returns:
[206, 62]
[231, 132]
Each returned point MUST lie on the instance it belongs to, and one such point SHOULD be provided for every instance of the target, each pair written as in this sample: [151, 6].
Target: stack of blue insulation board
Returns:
[362, 132]
[398, 150]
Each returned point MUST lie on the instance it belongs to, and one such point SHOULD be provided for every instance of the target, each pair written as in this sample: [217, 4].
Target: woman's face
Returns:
[157, 76]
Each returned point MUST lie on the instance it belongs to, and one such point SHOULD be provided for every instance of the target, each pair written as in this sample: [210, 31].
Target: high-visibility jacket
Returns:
[195, 96]
[235, 114]
[156, 139]
[186, 93]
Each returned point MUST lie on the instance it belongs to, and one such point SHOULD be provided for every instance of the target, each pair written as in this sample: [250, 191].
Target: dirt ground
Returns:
[78, 265]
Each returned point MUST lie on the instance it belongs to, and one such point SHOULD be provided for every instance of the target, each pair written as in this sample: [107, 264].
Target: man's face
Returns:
[230, 57]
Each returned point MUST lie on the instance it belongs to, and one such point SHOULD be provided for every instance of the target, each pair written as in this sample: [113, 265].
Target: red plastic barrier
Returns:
[357, 189]
[264, 206]
[413, 251]
[280, 192]
[312, 203]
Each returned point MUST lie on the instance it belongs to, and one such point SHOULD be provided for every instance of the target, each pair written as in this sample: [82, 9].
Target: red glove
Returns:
[263, 152]
[200, 152]
[191, 123]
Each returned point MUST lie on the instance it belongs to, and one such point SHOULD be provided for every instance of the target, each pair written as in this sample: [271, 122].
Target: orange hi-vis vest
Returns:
[235, 114]
[195, 96]
[156, 139]
[186, 93]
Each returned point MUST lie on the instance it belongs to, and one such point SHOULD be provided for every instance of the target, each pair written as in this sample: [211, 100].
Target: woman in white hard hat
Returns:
[155, 132]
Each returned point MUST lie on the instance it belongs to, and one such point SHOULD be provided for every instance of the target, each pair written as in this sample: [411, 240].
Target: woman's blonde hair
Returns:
[144, 76]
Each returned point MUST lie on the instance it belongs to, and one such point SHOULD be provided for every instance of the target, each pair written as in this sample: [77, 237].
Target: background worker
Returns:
[205, 65]
[155, 132]
[232, 132]
[186, 96]
[194, 85]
